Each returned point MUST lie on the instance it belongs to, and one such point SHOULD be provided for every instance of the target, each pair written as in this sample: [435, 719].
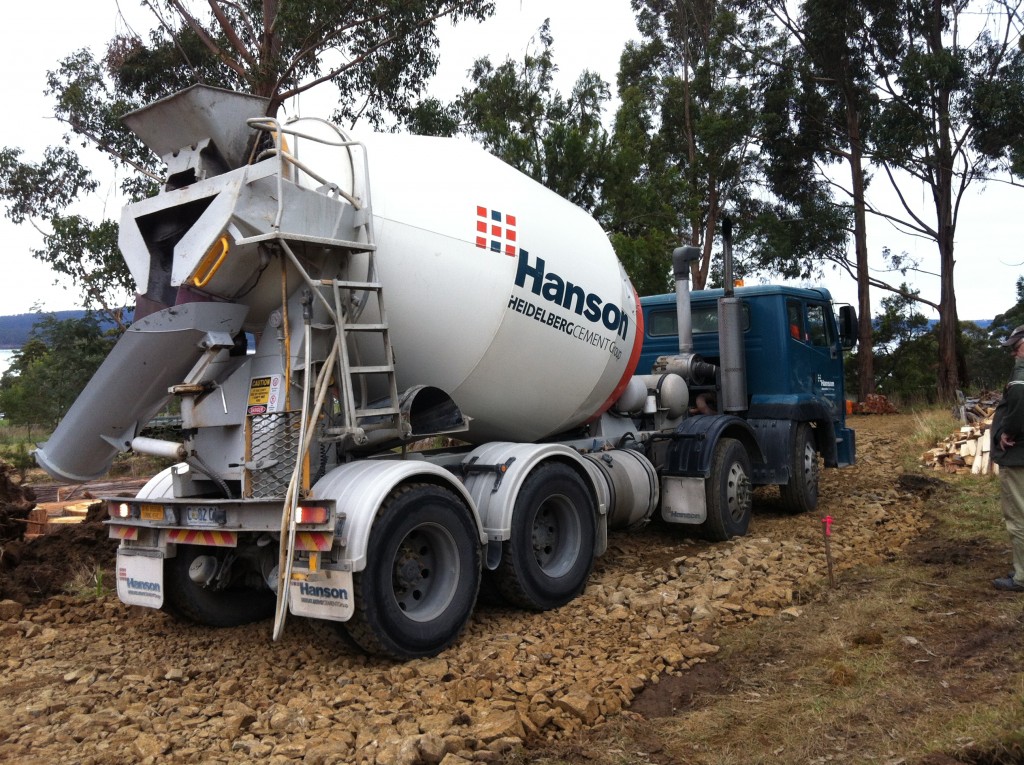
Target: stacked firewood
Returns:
[967, 450]
[874, 403]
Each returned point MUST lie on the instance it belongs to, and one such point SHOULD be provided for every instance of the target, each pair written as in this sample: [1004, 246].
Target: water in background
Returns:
[5, 358]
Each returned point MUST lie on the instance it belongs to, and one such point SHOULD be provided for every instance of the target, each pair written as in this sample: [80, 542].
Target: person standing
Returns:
[1008, 453]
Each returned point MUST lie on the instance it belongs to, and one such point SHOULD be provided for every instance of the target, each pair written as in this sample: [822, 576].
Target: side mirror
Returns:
[848, 327]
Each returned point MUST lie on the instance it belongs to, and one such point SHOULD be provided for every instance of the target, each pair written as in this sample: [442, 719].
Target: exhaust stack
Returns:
[687, 364]
[730, 335]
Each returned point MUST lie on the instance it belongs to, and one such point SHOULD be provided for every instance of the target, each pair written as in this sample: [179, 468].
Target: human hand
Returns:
[1005, 442]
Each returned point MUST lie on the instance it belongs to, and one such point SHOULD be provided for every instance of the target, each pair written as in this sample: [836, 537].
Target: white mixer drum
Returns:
[498, 290]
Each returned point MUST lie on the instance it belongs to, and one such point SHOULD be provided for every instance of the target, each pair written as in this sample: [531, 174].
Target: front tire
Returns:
[228, 606]
[422, 574]
[546, 562]
[729, 492]
[800, 495]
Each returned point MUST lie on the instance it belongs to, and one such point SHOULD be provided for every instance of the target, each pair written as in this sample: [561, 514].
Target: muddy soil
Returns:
[32, 571]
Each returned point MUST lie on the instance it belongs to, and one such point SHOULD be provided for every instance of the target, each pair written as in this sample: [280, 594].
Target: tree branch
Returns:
[209, 42]
[229, 30]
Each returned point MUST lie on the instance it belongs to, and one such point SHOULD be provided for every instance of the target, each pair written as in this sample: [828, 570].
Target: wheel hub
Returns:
[739, 494]
[410, 571]
[425, 572]
[545, 534]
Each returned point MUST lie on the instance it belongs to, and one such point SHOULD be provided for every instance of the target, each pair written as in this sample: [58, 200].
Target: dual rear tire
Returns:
[546, 562]
[422, 575]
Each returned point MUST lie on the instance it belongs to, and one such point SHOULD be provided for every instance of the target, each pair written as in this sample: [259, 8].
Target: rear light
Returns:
[311, 514]
[119, 510]
[146, 511]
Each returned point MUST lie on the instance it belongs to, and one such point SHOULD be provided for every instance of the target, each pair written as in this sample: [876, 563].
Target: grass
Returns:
[880, 674]
[87, 583]
[975, 499]
[914, 661]
[931, 426]
[976, 513]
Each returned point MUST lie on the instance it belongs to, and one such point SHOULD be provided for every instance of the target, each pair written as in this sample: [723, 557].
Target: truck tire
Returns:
[422, 574]
[546, 562]
[800, 495]
[729, 492]
[227, 607]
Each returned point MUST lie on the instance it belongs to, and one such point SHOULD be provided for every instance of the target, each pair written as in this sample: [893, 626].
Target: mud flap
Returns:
[329, 596]
[140, 577]
[683, 500]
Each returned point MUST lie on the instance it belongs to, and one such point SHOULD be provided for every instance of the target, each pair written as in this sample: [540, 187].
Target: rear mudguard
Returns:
[495, 472]
[692, 445]
[360, 488]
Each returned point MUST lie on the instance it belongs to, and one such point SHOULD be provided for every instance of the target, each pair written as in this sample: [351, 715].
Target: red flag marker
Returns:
[827, 528]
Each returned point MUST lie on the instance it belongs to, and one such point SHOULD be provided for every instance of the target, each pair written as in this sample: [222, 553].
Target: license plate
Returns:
[202, 515]
[151, 512]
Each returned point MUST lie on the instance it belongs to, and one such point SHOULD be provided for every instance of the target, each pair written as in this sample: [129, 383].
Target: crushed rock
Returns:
[95, 681]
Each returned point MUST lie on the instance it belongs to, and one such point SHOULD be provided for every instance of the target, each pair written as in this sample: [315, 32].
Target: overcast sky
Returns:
[990, 257]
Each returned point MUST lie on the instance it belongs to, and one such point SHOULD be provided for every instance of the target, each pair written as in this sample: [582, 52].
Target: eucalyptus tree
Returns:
[832, 55]
[51, 369]
[948, 85]
[514, 110]
[699, 136]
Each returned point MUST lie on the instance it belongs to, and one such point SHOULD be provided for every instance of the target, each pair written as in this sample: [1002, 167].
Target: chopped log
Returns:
[967, 449]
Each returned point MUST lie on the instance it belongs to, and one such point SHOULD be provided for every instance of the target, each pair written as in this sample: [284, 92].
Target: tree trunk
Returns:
[951, 362]
[865, 351]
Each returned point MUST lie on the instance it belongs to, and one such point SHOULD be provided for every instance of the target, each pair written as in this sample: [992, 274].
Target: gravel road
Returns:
[90, 680]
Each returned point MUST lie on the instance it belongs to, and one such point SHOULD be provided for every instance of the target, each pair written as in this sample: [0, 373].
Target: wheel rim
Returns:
[810, 461]
[737, 492]
[554, 527]
[426, 572]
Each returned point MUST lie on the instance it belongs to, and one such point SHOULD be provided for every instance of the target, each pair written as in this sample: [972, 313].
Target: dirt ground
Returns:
[679, 652]
[32, 571]
[948, 650]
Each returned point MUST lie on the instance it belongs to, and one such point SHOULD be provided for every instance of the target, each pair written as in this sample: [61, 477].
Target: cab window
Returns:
[795, 318]
[661, 323]
[704, 320]
[818, 329]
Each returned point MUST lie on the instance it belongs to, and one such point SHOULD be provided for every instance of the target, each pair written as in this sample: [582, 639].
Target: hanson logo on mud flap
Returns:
[140, 580]
[326, 598]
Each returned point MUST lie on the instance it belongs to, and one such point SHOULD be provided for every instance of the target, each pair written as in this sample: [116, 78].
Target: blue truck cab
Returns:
[793, 348]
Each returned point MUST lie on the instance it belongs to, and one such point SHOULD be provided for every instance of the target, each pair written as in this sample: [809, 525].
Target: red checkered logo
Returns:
[496, 231]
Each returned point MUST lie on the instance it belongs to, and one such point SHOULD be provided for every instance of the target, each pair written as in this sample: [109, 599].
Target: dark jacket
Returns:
[1009, 419]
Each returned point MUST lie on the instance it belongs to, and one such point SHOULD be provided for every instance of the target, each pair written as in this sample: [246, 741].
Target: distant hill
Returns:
[15, 330]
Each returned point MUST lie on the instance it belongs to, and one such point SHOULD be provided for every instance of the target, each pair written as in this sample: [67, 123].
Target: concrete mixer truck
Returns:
[318, 305]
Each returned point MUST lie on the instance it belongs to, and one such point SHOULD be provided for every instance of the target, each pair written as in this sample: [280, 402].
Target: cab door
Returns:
[815, 352]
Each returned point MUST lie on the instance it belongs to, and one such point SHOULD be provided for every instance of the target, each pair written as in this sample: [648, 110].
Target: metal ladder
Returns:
[357, 417]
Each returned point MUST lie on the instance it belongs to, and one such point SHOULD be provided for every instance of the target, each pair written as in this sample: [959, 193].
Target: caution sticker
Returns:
[264, 394]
